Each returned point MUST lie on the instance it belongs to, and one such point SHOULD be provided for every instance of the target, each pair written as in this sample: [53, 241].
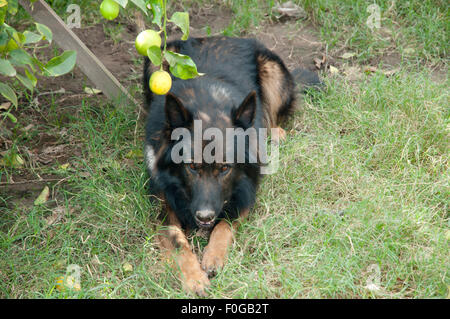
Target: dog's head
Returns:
[205, 172]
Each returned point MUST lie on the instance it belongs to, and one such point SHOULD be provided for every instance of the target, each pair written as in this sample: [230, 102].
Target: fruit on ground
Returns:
[145, 40]
[109, 9]
[160, 82]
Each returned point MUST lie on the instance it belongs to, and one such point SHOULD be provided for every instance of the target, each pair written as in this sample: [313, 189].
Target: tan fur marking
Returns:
[205, 117]
[271, 83]
[225, 118]
[189, 92]
[221, 238]
[177, 247]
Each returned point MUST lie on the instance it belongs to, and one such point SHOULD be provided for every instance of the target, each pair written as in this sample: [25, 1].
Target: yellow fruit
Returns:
[60, 283]
[109, 9]
[147, 39]
[160, 82]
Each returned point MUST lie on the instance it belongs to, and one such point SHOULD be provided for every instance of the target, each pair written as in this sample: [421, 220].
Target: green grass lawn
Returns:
[358, 208]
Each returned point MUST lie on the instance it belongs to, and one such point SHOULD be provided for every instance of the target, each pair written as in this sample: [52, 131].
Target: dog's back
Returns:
[237, 66]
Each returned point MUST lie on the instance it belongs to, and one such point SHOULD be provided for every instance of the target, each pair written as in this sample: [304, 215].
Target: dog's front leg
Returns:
[221, 238]
[174, 240]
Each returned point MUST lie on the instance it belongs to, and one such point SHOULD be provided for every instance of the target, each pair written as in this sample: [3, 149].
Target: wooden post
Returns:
[89, 64]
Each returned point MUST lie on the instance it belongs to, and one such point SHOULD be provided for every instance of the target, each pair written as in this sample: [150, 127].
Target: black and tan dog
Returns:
[245, 86]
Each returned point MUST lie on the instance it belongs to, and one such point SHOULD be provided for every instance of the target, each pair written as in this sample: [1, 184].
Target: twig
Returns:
[34, 181]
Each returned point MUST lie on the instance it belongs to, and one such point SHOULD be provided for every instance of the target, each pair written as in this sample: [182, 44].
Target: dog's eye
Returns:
[192, 167]
[224, 169]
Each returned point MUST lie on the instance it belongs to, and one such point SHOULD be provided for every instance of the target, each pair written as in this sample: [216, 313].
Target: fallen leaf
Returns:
[319, 62]
[390, 72]
[5, 106]
[334, 70]
[89, 90]
[348, 55]
[127, 267]
[370, 69]
[43, 197]
[409, 51]
[64, 167]
[290, 9]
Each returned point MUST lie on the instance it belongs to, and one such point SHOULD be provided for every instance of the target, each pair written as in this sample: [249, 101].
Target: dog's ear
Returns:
[176, 114]
[244, 115]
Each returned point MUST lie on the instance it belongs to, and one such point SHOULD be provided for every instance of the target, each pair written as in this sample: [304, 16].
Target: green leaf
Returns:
[31, 77]
[154, 54]
[3, 11]
[141, 5]
[181, 65]
[13, 119]
[45, 31]
[157, 11]
[39, 64]
[6, 68]
[4, 37]
[19, 38]
[61, 64]
[9, 29]
[31, 37]
[25, 81]
[123, 3]
[20, 57]
[181, 19]
[8, 93]
[12, 6]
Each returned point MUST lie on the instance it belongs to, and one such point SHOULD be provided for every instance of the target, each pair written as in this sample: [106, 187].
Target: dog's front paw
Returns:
[196, 282]
[213, 260]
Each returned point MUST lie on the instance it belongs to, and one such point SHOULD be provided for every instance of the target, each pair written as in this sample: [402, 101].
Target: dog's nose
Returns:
[205, 216]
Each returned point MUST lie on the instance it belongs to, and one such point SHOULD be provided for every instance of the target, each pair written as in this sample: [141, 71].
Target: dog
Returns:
[245, 85]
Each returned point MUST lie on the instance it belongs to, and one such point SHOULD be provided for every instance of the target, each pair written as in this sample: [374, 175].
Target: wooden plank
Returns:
[89, 64]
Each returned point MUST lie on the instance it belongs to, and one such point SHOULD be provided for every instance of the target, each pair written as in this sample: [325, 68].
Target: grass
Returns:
[361, 196]
[364, 182]
[412, 29]
[422, 26]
